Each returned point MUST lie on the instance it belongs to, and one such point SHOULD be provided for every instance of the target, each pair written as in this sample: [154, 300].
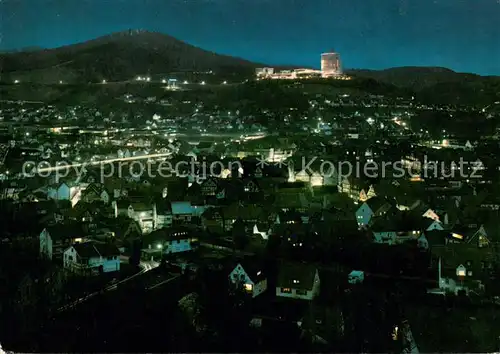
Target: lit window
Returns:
[286, 290]
[248, 287]
[461, 272]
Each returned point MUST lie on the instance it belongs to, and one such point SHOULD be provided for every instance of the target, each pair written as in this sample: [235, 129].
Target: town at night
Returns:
[267, 176]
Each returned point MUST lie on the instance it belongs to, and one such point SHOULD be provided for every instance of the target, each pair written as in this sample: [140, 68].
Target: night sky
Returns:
[463, 35]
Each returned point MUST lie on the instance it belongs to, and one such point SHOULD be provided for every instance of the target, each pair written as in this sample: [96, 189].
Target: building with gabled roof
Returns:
[297, 281]
[249, 274]
[172, 240]
[373, 207]
[90, 258]
[55, 238]
[462, 267]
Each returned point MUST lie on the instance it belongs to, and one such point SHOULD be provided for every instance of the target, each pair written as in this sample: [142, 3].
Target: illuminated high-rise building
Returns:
[264, 72]
[330, 64]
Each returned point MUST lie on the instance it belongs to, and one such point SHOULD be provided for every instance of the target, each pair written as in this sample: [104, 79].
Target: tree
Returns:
[135, 247]
[220, 311]
[239, 234]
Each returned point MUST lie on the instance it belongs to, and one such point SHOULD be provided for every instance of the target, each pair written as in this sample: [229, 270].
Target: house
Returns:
[462, 267]
[231, 189]
[163, 214]
[427, 224]
[287, 199]
[61, 192]
[249, 214]
[126, 228]
[54, 239]
[323, 324]
[251, 186]
[472, 234]
[297, 281]
[90, 258]
[89, 212]
[95, 192]
[292, 234]
[210, 186]
[143, 213]
[357, 189]
[170, 241]
[249, 274]
[213, 221]
[116, 187]
[120, 207]
[182, 212]
[356, 277]
[263, 229]
[402, 227]
[417, 208]
[375, 206]
[435, 238]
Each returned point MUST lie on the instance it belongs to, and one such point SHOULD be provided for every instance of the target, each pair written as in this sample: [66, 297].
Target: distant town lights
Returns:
[103, 81]
[148, 79]
[203, 82]
[163, 81]
[16, 81]
[224, 83]
[185, 82]
[159, 246]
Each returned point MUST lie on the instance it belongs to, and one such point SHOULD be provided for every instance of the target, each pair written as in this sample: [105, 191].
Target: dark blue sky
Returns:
[463, 35]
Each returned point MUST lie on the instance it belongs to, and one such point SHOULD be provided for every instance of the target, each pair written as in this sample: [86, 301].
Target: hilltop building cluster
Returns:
[330, 68]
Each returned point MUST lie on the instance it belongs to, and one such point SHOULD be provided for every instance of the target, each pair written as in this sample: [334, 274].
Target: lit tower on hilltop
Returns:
[330, 64]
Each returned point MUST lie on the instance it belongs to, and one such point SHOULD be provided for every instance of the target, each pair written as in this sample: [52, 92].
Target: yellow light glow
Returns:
[457, 236]
[248, 287]
[461, 273]
[316, 181]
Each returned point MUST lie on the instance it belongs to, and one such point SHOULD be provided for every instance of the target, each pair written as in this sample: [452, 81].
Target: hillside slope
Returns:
[116, 57]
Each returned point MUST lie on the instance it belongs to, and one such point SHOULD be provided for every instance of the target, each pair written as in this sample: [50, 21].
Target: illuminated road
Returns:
[101, 162]
[146, 266]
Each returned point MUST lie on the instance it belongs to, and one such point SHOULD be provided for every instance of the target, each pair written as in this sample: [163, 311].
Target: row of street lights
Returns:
[139, 78]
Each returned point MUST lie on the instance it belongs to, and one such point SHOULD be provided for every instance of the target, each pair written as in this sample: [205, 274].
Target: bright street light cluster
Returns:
[143, 78]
